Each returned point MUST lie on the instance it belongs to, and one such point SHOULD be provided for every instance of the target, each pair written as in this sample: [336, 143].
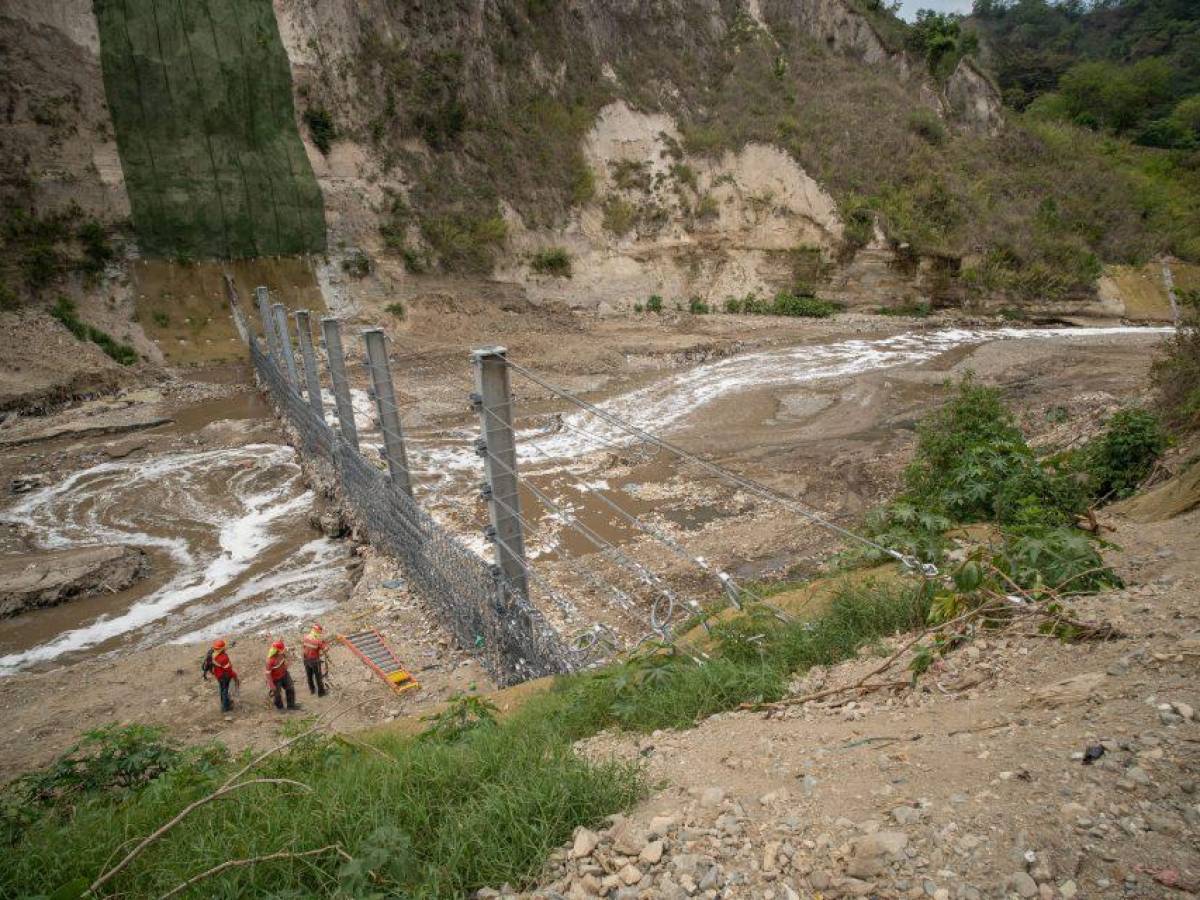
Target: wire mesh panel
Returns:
[511, 636]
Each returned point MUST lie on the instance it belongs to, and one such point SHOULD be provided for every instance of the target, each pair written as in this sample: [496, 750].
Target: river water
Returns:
[226, 527]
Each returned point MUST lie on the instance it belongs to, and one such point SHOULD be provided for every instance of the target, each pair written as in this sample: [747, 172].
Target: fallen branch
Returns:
[991, 726]
[861, 684]
[228, 787]
[363, 745]
[251, 861]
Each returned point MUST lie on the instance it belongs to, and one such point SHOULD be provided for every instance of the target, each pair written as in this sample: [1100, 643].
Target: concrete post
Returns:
[493, 401]
[309, 358]
[385, 402]
[285, 345]
[270, 338]
[337, 375]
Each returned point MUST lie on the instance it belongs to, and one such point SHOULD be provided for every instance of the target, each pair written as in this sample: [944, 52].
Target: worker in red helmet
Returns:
[218, 664]
[313, 649]
[278, 679]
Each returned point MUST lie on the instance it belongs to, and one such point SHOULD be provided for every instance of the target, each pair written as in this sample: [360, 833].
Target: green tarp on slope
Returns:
[201, 98]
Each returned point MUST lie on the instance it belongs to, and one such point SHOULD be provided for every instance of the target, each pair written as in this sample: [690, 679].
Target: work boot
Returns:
[294, 706]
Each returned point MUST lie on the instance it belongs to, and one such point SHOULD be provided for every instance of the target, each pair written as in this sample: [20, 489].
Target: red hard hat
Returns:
[278, 645]
[218, 644]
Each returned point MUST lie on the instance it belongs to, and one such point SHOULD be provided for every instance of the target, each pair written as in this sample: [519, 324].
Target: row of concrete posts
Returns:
[492, 400]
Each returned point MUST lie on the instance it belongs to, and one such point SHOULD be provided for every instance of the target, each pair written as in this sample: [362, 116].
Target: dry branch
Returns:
[251, 861]
[228, 787]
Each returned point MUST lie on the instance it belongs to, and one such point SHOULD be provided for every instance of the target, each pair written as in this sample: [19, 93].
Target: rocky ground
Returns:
[1017, 767]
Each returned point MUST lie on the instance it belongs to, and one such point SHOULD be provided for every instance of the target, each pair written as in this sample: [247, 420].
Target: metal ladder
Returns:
[372, 649]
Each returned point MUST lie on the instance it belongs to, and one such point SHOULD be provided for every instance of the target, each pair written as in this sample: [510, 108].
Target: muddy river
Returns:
[226, 526]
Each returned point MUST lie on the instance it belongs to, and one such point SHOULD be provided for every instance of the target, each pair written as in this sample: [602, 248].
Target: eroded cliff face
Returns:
[58, 146]
[608, 85]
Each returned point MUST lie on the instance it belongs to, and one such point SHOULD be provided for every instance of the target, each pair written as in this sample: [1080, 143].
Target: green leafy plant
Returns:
[464, 713]
[698, 307]
[654, 304]
[1122, 456]
[320, 128]
[397, 309]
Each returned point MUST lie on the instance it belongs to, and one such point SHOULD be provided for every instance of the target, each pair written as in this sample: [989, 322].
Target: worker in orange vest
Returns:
[278, 679]
[313, 648]
[218, 664]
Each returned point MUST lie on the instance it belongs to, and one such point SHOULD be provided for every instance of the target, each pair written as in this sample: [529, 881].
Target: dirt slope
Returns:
[970, 786]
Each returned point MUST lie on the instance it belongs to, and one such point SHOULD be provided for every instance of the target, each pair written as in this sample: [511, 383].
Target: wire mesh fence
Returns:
[508, 633]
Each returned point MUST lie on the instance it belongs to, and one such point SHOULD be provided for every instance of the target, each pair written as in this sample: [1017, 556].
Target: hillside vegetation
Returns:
[1030, 212]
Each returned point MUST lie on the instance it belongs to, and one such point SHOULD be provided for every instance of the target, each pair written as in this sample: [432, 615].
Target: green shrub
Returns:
[320, 128]
[1061, 558]
[630, 174]
[465, 243]
[357, 264]
[397, 309]
[654, 304]
[619, 216]
[64, 311]
[786, 304]
[1122, 456]
[925, 124]
[583, 185]
[555, 261]
[698, 307]
[8, 299]
[97, 251]
[463, 714]
[733, 305]
[707, 208]
[1176, 369]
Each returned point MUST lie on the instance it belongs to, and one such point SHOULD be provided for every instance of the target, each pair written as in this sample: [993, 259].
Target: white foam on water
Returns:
[667, 404]
[117, 502]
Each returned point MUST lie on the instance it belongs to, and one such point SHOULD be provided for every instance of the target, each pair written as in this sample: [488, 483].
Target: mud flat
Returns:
[51, 577]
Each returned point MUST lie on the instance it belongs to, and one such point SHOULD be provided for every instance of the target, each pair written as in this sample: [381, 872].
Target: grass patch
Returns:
[554, 261]
[397, 309]
[64, 310]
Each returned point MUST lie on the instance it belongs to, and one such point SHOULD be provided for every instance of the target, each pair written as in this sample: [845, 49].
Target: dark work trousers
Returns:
[223, 688]
[284, 685]
[312, 671]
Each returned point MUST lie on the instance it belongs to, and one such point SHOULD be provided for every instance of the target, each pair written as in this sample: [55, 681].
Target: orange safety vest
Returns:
[313, 646]
[222, 666]
[277, 666]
